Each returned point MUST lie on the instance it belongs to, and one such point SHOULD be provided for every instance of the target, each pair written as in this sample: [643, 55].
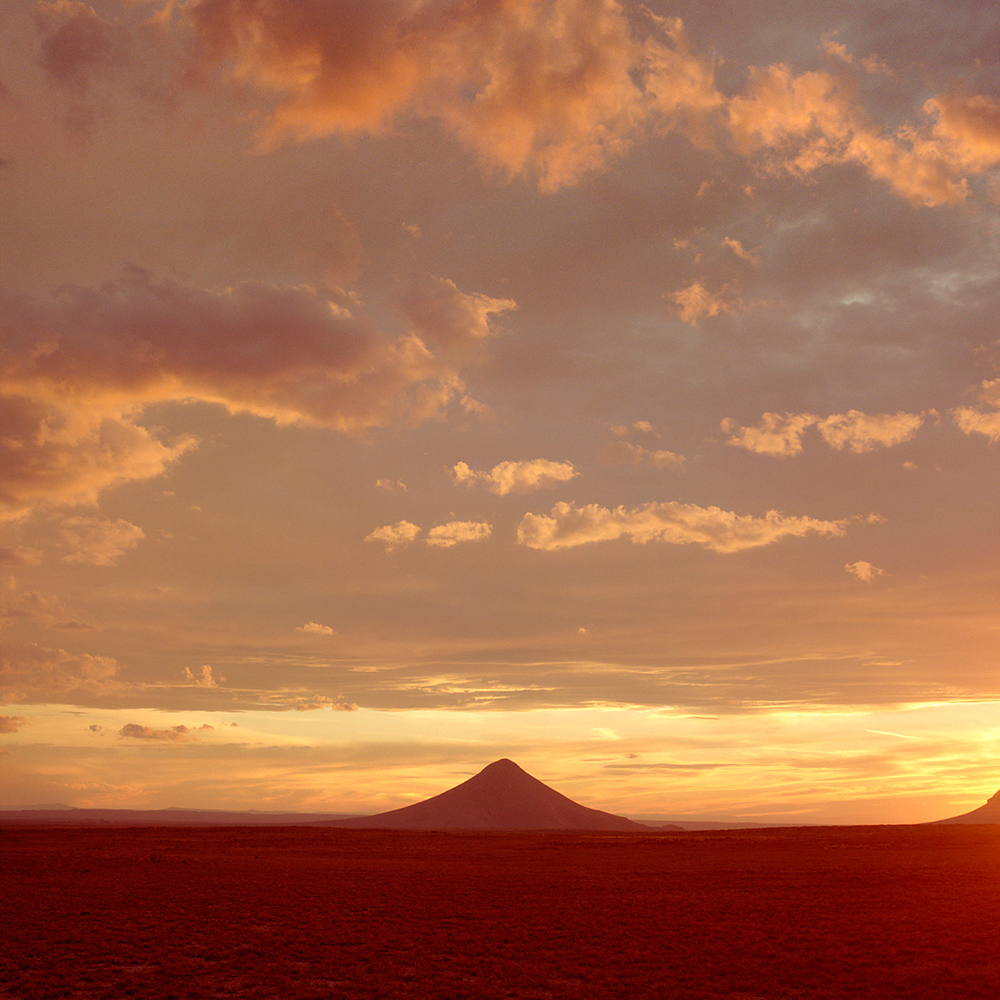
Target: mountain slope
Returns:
[500, 797]
[989, 813]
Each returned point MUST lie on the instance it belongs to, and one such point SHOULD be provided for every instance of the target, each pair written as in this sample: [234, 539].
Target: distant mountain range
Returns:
[70, 816]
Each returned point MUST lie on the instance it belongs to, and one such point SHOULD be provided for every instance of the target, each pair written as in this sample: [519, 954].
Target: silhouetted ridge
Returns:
[989, 813]
[502, 796]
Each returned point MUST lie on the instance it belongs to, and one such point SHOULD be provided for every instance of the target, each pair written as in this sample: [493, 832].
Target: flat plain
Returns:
[302, 913]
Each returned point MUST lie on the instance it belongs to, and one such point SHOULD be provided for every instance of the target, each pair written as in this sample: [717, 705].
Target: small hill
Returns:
[501, 796]
[989, 813]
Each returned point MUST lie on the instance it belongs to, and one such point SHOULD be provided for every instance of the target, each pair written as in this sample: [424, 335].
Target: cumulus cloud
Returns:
[781, 435]
[775, 434]
[695, 302]
[643, 426]
[77, 370]
[552, 89]
[446, 535]
[971, 420]
[517, 477]
[968, 127]
[438, 312]
[57, 451]
[799, 122]
[860, 432]
[97, 541]
[203, 678]
[315, 628]
[36, 674]
[864, 571]
[394, 535]
[11, 723]
[674, 523]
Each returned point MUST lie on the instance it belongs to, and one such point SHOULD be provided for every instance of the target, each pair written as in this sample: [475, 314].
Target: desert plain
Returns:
[300, 913]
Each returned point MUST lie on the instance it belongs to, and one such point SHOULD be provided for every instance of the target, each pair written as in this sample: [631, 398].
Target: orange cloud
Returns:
[781, 436]
[447, 535]
[11, 723]
[28, 605]
[175, 734]
[860, 432]
[982, 421]
[968, 126]
[674, 523]
[864, 571]
[55, 451]
[315, 628]
[695, 301]
[97, 541]
[438, 312]
[626, 453]
[203, 678]
[77, 370]
[548, 88]
[394, 535]
[338, 704]
[803, 121]
[741, 251]
[517, 477]
[33, 673]
[775, 434]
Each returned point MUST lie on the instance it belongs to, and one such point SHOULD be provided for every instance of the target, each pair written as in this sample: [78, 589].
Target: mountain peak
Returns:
[503, 764]
[502, 796]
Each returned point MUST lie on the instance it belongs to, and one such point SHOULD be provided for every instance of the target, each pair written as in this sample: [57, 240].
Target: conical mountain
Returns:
[501, 796]
[989, 813]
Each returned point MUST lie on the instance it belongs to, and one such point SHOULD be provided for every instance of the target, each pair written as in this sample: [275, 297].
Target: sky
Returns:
[387, 388]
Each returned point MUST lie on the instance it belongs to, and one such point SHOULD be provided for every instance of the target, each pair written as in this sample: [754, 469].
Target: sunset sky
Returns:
[389, 387]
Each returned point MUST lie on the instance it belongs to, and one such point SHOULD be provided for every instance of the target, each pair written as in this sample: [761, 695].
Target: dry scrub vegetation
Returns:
[303, 914]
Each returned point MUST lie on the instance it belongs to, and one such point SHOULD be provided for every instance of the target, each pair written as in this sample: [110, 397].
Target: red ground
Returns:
[838, 913]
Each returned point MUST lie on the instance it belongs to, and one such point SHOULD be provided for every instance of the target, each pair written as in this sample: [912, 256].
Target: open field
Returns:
[830, 912]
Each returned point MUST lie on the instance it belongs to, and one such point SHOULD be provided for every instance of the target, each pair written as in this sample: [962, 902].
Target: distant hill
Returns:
[501, 796]
[700, 825]
[989, 813]
[69, 816]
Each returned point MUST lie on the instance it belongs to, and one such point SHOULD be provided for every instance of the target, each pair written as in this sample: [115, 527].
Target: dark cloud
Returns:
[77, 369]
[78, 47]
[11, 723]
